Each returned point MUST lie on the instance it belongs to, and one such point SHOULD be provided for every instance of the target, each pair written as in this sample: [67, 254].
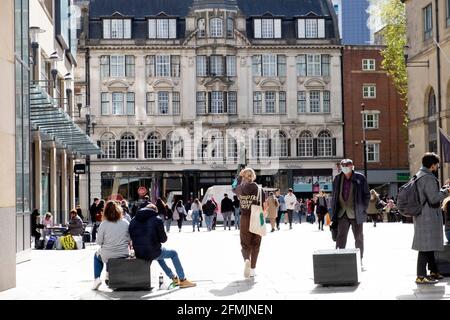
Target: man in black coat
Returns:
[349, 205]
[226, 207]
[147, 233]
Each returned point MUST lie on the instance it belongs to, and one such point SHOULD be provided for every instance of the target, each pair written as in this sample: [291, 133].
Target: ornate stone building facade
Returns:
[184, 92]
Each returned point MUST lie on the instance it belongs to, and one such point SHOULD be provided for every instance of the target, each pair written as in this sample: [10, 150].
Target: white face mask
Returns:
[346, 170]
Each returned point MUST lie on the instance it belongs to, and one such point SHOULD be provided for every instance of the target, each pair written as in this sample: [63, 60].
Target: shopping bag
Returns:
[327, 219]
[189, 215]
[257, 219]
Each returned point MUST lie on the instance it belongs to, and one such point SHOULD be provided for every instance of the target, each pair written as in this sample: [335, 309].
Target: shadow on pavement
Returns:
[136, 295]
[425, 292]
[320, 289]
[234, 287]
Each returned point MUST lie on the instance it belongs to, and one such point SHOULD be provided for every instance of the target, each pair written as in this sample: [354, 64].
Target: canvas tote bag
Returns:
[257, 219]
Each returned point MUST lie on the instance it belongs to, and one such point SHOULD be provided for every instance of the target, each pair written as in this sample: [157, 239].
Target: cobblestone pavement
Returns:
[213, 260]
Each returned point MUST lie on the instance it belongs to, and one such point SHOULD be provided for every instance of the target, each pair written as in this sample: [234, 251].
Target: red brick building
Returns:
[387, 154]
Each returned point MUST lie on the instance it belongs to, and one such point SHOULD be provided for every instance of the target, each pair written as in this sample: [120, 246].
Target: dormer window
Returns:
[267, 28]
[311, 28]
[116, 28]
[162, 28]
[201, 28]
[216, 28]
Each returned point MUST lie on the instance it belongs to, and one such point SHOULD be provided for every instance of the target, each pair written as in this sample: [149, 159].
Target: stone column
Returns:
[64, 185]
[53, 184]
[38, 173]
[71, 176]
[141, 155]
[291, 88]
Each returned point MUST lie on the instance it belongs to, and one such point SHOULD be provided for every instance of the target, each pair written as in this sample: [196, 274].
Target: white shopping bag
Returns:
[257, 218]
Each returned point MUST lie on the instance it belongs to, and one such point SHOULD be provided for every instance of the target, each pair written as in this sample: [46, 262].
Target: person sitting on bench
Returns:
[147, 233]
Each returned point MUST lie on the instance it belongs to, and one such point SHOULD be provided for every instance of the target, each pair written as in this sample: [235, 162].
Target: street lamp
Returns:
[34, 36]
[363, 106]
[67, 84]
[54, 58]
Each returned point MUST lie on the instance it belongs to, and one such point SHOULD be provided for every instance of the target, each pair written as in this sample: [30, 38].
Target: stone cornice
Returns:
[184, 47]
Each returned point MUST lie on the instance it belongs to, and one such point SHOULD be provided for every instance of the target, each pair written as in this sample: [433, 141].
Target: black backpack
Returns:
[408, 200]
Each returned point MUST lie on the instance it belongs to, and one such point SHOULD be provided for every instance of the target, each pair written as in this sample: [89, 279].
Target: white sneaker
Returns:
[247, 268]
[252, 273]
[97, 283]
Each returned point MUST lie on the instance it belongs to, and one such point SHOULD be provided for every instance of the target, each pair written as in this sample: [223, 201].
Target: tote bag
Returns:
[257, 219]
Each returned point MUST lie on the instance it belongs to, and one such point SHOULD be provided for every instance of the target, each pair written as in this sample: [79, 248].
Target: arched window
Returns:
[217, 146]
[153, 146]
[261, 145]
[432, 122]
[280, 145]
[202, 149]
[175, 146]
[127, 146]
[305, 145]
[232, 150]
[201, 26]
[216, 28]
[108, 146]
[325, 144]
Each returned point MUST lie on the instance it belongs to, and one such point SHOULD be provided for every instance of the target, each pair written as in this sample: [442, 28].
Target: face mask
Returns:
[346, 170]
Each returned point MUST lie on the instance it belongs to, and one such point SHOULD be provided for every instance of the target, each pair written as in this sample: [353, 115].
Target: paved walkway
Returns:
[213, 260]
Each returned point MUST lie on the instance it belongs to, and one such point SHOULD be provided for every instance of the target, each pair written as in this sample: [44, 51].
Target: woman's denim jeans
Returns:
[98, 266]
[168, 222]
[208, 221]
[237, 217]
[195, 219]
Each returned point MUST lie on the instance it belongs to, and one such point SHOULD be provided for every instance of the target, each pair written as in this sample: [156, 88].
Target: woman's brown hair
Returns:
[113, 211]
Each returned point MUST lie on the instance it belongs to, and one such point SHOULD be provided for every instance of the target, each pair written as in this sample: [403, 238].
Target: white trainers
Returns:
[97, 283]
[252, 273]
[247, 268]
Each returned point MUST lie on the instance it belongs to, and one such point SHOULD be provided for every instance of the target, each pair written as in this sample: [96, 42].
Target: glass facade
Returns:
[354, 22]
[22, 107]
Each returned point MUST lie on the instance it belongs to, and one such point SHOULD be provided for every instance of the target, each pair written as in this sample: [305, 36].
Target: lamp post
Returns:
[34, 36]
[67, 84]
[54, 58]
[363, 106]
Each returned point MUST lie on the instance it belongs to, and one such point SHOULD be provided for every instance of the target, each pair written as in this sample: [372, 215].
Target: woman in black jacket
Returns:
[208, 209]
[168, 217]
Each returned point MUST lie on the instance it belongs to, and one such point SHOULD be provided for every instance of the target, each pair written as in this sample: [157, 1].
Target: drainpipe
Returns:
[439, 86]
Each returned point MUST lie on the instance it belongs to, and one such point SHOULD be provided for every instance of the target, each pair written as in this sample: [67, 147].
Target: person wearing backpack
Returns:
[349, 205]
[428, 235]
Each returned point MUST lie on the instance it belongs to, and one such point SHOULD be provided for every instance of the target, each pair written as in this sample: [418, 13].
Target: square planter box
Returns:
[129, 274]
[337, 267]
[443, 260]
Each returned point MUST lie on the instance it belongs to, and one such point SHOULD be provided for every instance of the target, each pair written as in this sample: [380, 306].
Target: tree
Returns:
[393, 17]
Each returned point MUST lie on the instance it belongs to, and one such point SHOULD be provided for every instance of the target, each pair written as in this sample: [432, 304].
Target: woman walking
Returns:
[247, 191]
[208, 210]
[196, 212]
[168, 217]
[322, 208]
[375, 204]
[161, 206]
[237, 212]
[272, 209]
[179, 213]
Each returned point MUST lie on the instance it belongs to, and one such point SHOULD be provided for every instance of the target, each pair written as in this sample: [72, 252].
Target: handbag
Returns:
[189, 215]
[257, 219]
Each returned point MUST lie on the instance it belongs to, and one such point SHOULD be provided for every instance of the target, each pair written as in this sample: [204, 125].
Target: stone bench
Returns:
[129, 274]
[337, 267]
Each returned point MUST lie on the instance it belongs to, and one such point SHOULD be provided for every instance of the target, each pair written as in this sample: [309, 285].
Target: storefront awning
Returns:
[48, 118]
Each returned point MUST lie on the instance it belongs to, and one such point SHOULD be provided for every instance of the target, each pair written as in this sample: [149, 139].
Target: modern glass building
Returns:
[353, 16]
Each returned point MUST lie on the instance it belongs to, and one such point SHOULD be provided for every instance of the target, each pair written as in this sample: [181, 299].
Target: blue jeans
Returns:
[170, 254]
[447, 235]
[237, 217]
[208, 221]
[195, 219]
[98, 266]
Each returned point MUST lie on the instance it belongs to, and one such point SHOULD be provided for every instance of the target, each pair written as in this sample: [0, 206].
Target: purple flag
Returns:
[445, 143]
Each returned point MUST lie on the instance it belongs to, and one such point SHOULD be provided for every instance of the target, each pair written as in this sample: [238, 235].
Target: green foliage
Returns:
[393, 16]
